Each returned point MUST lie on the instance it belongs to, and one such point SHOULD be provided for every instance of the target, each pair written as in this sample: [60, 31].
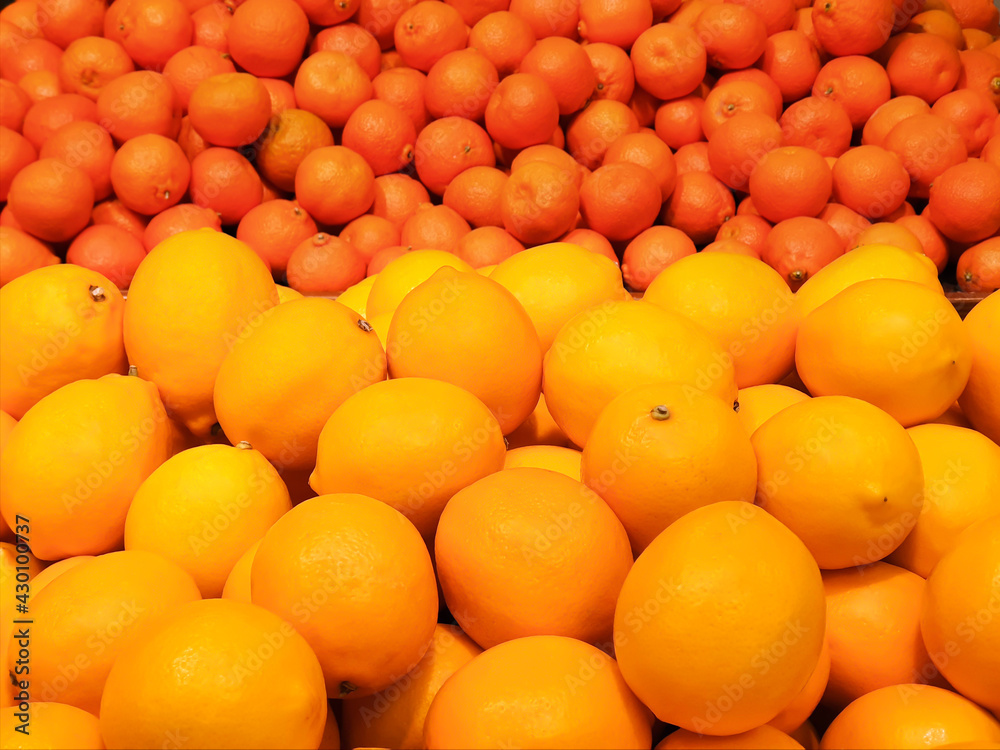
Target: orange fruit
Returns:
[852, 27]
[395, 717]
[924, 65]
[973, 113]
[334, 185]
[678, 122]
[503, 38]
[522, 111]
[761, 737]
[547, 18]
[108, 250]
[25, 56]
[352, 40]
[158, 109]
[21, 253]
[979, 401]
[964, 201]
[792, 61]
[224, 181]
[734, 36]
[925, 351]
[274, 230]
[539, 429]
[590, 540]
[291, 136]
[475, 195]
[887, 233]
[15, 105]
[978, 267]
[646, 150]
[614, 22]
[738, 144]
[437, 227]
[791, 717]
[113, 211]
[87, 146]
[584, 698]
[447, 147]
[819, 123]
[404, 87]
[428, 31]
[228, 300]
[460, 84]
[790, 181]
[980, 72]
[565, 68]
[452, 424]
[83, 504]
[151, 31]
[961, 471]
[778, 15]
[662, 603]
[210, 24]
[267, 37]
[383, 134]
[231, 496]
[615, 75]
[756, 323]
[652, 251]
[590, 240]
[976, 14]
[331, 85]
[181, 218]
[927, 145]
[378, 16]
[862, 521]
[50, 725]
[593, 130]
[192, 65]
[369, 234]
[732, 247]
[447, 348]
[648, 444]
[89, 63]
[257, 369]
[873, 629]
[150, 173]
[375, 550]
[158, 681]
[758, 403]
[17, 153]
[50, 114]
[846, 224]
[116, 594]
[487, 246]
[620, 200]
[907, 716]
[749, 230]
[669, 59]
[699, 205]
[870, 180]
[539, 203]
[730, 98]
[618, 345]
[324, 265]
[957, 628]
[890, 114]
[51, 200]
[230, 109]
[857, 83]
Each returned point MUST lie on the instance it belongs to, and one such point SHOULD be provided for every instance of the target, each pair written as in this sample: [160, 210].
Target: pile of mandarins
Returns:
[486, 498]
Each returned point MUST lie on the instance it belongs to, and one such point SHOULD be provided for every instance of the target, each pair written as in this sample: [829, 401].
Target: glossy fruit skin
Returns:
[681, 571]
[228, 301]
[71, 516]
[60, 323]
